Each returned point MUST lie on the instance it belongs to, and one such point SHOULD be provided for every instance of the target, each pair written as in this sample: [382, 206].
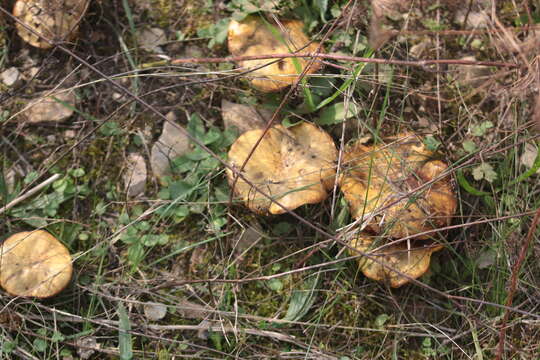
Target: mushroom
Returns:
[385, 186]
[412, 262]
[295, 166]
[34, 263]
[52, 19]
[254, 36]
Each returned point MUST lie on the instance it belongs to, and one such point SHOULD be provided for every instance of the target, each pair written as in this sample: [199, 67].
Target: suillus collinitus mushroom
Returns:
[53, 19]
[295, 166]
[34, 264]
[253, 36]
[395, 189]
[384, 258]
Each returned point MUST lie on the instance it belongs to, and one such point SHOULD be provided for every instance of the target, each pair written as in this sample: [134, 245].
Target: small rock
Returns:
[422, 48]
[172, 143]
[10, 76]
[247, 239]
[51, 108]
[151, 39]
[32, 72]
[86, 346]
[190, 310]
[69, 134]
[155, 311]
[470, 75]
[243, 117]
[135, 175]
[475, 20]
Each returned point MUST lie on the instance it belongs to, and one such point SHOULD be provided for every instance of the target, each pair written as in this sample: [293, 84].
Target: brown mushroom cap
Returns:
[53, 19]
[295, 166]
[379, 183]
[412, 262]
[34, 264]
[252, 36]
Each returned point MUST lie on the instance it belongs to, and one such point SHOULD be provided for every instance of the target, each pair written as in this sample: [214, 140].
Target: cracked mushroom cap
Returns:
[413, 261]
[295, 166]
[253, 36]
[53, 19]
[380, 184]
[34, 263]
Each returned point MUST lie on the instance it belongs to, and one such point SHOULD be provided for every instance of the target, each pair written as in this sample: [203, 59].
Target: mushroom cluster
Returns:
[52, 19]
[253, 36]
[397, 190]
[34, 264]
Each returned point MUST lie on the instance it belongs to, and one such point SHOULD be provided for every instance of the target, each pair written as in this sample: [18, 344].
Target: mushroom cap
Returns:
[377, 177]
[295, 166]
[413, 262]
[252, 36]
[34, 263]
[53, 19]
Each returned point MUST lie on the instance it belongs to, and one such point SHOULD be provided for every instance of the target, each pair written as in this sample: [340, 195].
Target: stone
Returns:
[243, 117]
[10, 76]
[135, 175]
[151, 39]
[51, 108]
[172, 143]
[155, 311]
[470, 75]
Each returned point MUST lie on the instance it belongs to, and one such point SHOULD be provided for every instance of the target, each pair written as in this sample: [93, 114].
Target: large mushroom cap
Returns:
[413, 262]
[252, 36]
[34, 264]
[295, 166]
[381, 184]
[53, 19]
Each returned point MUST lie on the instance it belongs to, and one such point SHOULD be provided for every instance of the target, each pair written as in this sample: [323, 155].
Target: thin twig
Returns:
[513, 281]
[29, 193]
[417, 63]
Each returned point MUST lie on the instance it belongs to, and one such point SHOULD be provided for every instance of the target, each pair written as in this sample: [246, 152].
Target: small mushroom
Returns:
[411, 261]
[385, 185]
[34, 264]
[295, 166]
[53, 19]
[253, 36]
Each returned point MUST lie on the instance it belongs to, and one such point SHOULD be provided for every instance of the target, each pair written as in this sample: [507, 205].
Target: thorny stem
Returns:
[514, 280]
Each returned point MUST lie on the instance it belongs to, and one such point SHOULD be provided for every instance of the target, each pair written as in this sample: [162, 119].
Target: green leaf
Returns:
[180, 189]
[322, 6]
[336, 113]
[275, 285]
[431, 143]
[482, 128]
[381, 320]
[40, 345]
[484, 171]
[467, 186]
[469, 146]
[302, 300]
[124, 337]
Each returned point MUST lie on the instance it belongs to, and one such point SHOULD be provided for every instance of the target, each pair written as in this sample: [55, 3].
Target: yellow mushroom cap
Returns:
[253, 36]
[53, 19]
[34, 264]
[295, 166]
[379, 182]
[413, 262]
